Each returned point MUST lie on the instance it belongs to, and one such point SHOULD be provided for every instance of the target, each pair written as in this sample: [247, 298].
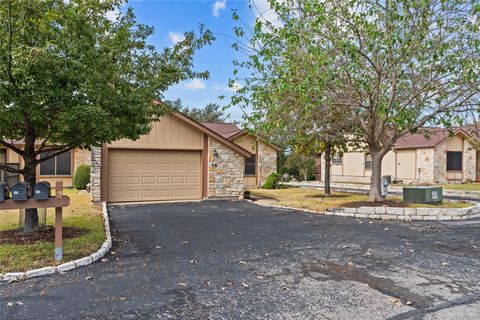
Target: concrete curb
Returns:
[68, 266]
[394, 213]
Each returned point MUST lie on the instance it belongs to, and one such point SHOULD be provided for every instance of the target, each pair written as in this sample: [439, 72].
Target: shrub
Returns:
[81, 177]
[272, 181]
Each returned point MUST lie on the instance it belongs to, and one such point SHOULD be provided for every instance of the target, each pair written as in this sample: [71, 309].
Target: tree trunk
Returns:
[29, 176]
[31, 215]
[328, 163]
[375, 179]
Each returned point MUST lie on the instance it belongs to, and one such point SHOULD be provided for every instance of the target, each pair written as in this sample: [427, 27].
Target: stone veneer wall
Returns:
[267, 161]
[225, 171]
[440, 164]
[469, 161]
[95, 174]
[425, 165]
[82, 157]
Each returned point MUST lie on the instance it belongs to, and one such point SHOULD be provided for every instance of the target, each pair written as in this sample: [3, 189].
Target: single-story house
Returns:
[60, 168]
[436, 157]
[181, 159]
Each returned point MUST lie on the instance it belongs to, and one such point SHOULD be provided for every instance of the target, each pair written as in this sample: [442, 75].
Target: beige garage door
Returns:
[144, 175]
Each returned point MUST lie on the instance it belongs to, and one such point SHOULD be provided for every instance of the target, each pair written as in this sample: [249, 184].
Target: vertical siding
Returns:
[167, 133]
[247, 142]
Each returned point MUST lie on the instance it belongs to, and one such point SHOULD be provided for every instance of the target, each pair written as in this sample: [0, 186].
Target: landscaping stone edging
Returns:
[71, 265]
[395, 213]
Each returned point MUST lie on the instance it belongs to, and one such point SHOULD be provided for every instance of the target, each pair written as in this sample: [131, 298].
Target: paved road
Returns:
[237, 260]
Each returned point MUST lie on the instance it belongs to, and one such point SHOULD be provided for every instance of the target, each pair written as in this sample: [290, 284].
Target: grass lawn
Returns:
[463, 187]
[80, 214]
[315, 199]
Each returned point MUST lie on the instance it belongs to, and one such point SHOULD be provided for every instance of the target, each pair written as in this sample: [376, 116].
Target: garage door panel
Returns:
[192, 179]
[148, 180]
[149, 166]
[132, 180]
[163, 167]
[163, 180]
[148, 175]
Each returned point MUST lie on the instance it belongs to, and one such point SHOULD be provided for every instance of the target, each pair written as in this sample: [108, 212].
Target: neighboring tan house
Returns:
[60, 168]
[435, 158]
[180, 159]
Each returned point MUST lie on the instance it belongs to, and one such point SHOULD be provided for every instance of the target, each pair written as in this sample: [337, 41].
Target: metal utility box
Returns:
[384, 187]
[41, 191]
[422, 194]
[4, 193]
[20, 191]
[389, 178]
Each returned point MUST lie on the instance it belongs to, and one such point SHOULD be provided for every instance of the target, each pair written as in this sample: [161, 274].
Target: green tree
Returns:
[70, 77]
[391, 66]
[212, 112]
[301, 163]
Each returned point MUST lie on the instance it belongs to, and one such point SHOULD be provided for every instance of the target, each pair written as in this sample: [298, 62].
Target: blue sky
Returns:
[171, 18]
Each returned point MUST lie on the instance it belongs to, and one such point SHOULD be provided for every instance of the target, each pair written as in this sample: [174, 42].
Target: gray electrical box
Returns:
[41, 191]
[384, 187]
[422, 194]
[20, 191]
[4, 193]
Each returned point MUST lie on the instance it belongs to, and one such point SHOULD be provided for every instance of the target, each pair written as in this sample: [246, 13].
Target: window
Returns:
[60, 165]
[368, 162]
[3, 155]
[454, 160]
[337, 159]
[250, 166]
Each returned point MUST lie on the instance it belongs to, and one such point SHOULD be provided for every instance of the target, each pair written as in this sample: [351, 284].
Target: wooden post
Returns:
[58, 223]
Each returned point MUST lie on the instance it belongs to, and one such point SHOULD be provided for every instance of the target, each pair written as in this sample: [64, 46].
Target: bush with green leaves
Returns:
[272, 181]
[81, 177]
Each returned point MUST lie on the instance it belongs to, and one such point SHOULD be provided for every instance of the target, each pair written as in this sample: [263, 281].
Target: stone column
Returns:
[95, 174]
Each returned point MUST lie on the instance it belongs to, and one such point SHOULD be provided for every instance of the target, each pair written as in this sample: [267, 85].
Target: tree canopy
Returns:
[212, 112]
[370, 71]
[71, 77]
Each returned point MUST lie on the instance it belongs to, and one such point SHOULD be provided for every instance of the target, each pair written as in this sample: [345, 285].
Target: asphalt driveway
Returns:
[237, 260]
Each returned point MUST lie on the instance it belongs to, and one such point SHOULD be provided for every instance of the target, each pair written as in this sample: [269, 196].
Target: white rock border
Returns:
[71, 265]
[395, 213]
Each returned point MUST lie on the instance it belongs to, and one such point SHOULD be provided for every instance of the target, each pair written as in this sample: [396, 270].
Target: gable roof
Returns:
[226, 130]
[181, 116]
[431, 137]
[231, 131]
[213, 134]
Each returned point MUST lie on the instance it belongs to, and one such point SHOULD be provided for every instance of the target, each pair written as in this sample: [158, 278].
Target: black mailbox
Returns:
[20, 191]
[4, 194]
[41, 191]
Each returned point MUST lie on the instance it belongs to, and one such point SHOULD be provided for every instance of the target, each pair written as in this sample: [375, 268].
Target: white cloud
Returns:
[262, 11]
[113, 14]
[218, 6]
[175, 37]
[195, 84]
[234, 87]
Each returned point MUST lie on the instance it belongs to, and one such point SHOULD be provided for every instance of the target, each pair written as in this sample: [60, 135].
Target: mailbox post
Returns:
[58, 202]
[58, 223]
